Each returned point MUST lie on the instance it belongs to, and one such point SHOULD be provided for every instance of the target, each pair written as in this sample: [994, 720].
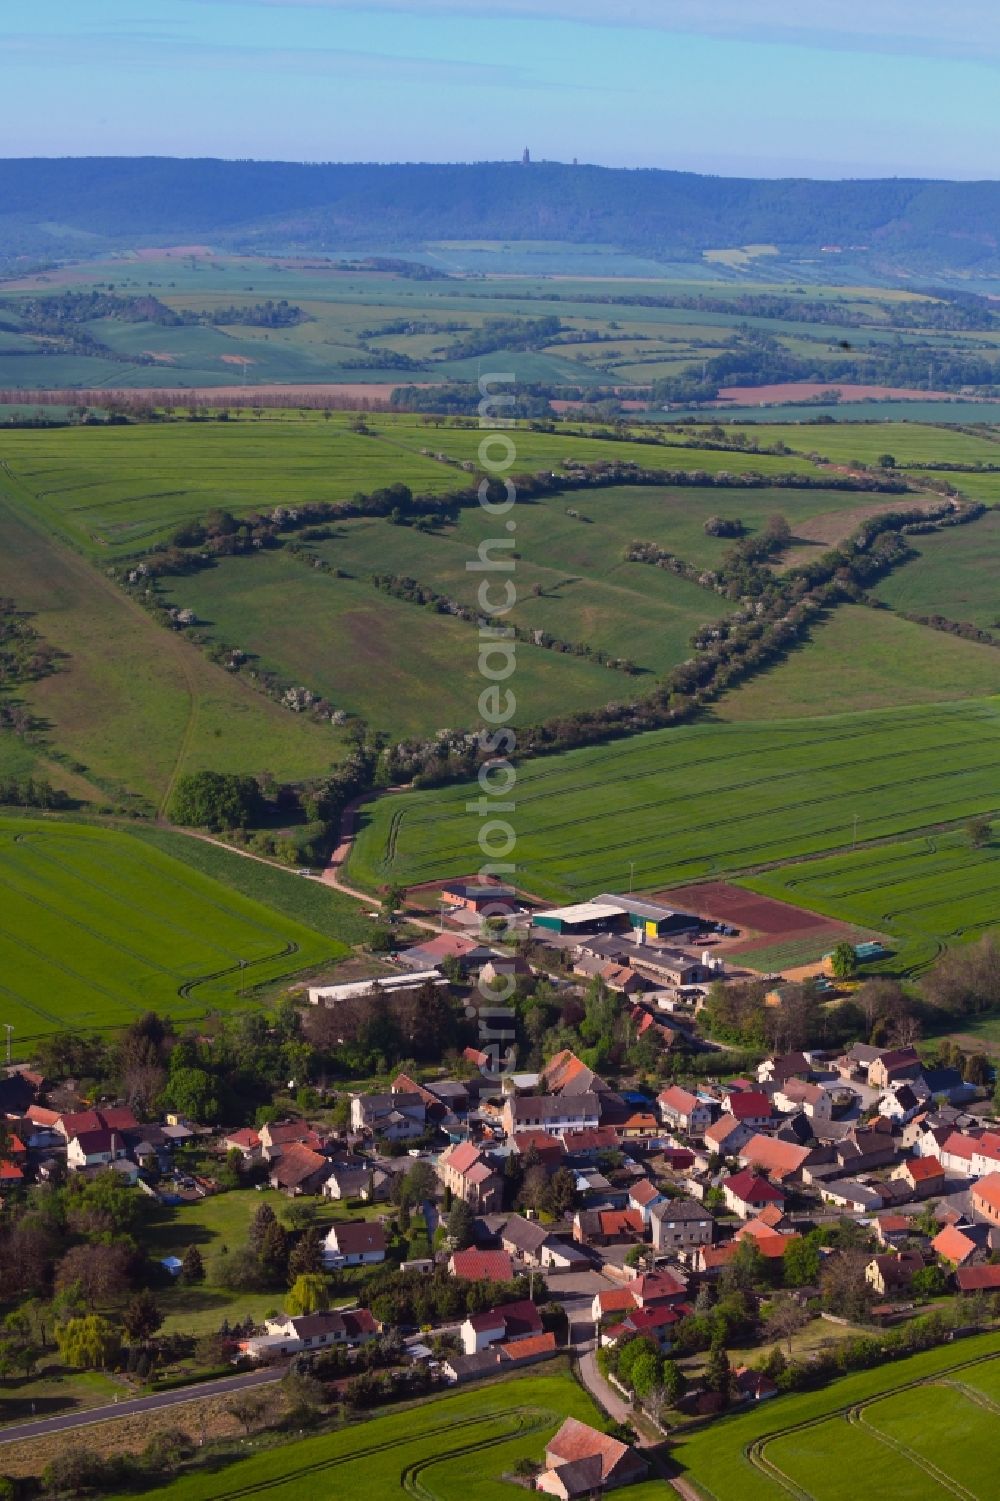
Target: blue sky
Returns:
[770, 87]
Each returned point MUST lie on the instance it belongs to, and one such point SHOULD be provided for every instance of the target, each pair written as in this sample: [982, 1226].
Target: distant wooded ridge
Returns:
[85, 204]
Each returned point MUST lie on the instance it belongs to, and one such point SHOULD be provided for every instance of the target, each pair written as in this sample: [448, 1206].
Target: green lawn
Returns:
[859, 658]
[955, 574]
[404, 669]
[217, 1224]
[835, 1458]
[449, 1447]
[704, 799]
[919, 892]
[97, 927]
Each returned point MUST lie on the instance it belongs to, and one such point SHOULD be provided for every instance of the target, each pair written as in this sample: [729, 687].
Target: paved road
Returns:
[226, 1384]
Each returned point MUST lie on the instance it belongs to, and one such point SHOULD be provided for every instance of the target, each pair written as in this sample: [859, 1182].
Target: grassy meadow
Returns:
[98, 927]
[954, 574]
[704, 799]
[859, 658]
[404, 669]
[131, 706]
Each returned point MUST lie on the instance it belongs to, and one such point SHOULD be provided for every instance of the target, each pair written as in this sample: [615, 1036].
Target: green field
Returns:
[955, 574]
[133, 706]
[404, 669]
[703, 799]
[448, 1448]
[910, 443]
[97, 927]
[922, 893]
[859, 658]
[917, 1428]
[118, 491]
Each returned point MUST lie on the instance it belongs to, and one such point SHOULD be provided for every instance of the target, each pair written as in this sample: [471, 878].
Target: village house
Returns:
[556, 1115]
[892, 1273]
[778, 1159]
[679, 1223]
[355, 1243]
[726, 1136]
[581, 1462]
[923, 1175]
[986, 1198]
[896, 1063]
[366, 1182]
[277, 1136]
[95, 1148]
[978, 1279]
[313, 1331]
[469, 1174]
[393, 1117]
[505, 1325]
[524, 1239]
[954, 1246]
[644, 1196]
[845, 1193]
[474, 1265]
[245, 1141]
[815, 1102]
[484, 898]
[299, 1170]
[684, 1111]
[785, 1066]
[749, 1106]
[746, 1194]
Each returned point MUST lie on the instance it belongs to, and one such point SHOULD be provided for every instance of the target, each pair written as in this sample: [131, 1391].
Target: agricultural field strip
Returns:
[962, 877]
[531, 795]
[84, 961]
[860, 1412]
[138, 919]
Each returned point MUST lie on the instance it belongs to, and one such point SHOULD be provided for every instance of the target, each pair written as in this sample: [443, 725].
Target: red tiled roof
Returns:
[528, 1348]
[777, 1158]
[576, 1441]
[748, 1104]
[960, 1145]
[921, 1169]
[988, 1190]
[752, 1189]
[656, 1287]
[620, 1222]
[972, 1279]
[644, 1192]
[952, 1245]
[10, 1173]
[357, 1236]
[676, 1098]
[461, 1156]
[474, 1265]
[614, 1299]
[642, 1319]
[297, 1164]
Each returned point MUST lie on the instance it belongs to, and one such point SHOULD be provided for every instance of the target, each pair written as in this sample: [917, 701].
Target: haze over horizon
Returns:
[743, 87]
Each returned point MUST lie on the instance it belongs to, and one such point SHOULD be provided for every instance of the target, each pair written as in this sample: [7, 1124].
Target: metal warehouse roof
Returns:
[586, 912]
[655, 911]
